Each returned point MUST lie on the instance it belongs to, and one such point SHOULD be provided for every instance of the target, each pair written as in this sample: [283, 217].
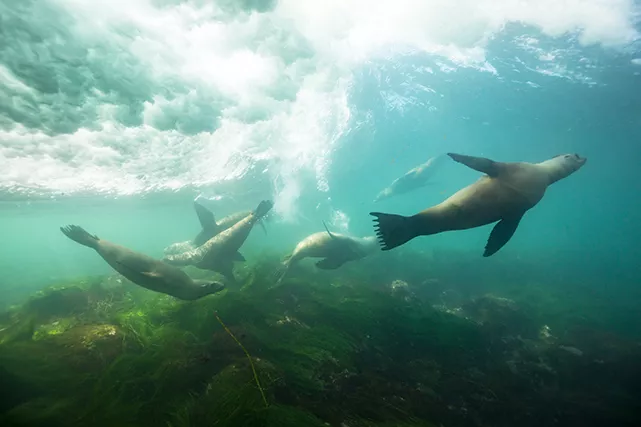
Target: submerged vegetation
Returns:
[364, 346]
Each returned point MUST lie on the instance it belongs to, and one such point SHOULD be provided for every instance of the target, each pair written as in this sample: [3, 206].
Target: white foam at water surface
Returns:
[130, 96]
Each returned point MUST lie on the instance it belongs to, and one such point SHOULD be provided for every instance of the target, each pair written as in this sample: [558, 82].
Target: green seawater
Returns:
[116, 116]
[392, 340]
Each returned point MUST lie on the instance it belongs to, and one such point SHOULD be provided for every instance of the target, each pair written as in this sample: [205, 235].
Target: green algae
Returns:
[352, 349]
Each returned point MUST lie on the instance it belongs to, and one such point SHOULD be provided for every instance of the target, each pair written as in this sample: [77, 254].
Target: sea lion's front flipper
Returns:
[501, 234]
[328, 232]
[205, 216]
[481, 164]
[228, 273]
[330, 263]
[238, 257]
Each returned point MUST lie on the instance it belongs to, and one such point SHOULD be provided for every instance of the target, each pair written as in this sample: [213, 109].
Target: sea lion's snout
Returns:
[572, 162]
[211, 287]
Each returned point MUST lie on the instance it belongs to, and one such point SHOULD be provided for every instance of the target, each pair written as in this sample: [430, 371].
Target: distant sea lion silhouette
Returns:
[504, 194]
[335, 249]
[143, 270]
[220, 252]
[411, 180]
[209, 228]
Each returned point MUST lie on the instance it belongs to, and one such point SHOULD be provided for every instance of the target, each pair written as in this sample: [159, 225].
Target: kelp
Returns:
[366, 346]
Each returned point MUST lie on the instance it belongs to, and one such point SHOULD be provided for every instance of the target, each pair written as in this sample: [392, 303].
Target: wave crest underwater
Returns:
[137, 96]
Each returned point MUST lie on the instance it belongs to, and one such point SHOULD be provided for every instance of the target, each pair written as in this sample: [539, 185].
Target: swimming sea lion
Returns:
[504, 194]
[143, 270]
[219, 252]
[335, 249]
[412, 180]
[209, 228]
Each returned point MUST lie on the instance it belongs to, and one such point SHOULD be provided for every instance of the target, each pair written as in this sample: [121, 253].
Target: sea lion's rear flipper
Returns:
[481, 164]
[238, 257]
[262, 225]
[263, 207]
[205, 216]
[501, 234]
[393, 230]
[330, 263]
[328, 232]
[79, 235]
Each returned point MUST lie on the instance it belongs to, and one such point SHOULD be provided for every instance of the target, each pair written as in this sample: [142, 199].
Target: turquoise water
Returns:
[100, 129]
[116, 116]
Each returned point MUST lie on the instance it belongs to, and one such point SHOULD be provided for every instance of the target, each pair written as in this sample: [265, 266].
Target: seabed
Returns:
[361, 347]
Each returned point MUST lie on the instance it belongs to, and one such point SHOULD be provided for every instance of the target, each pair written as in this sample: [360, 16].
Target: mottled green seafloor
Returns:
[400, 344]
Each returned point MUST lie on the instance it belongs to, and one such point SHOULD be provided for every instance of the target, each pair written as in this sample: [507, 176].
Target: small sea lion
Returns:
[143, 270]
[412, 180]
[219, 252]
[504, 194]
[209, 228]
[336, 249]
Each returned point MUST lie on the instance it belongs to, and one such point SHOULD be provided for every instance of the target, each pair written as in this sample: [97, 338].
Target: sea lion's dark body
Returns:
[219, 252]
[209, 228]
[505, 194]
[144, 270]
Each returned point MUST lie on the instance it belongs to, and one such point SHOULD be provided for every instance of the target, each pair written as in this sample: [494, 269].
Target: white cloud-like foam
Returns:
[135, 95]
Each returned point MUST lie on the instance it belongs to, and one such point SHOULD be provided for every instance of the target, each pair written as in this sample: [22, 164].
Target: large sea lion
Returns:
[143, 270]
[336, 249]
[219, 252]
[412, 180]
[209, 228]
[504, 194]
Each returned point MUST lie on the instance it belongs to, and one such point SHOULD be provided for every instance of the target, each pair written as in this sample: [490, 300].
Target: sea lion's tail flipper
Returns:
[501, 234]
[481, 164]
[79, 235]
[263, 207]
[205, 216]
[393, 230]
[238, 257]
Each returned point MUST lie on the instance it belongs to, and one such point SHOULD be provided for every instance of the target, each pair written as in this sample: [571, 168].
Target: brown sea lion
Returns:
[219, 252]
[209, 228]
[412, 180]
[504, 194]
[143, 270]
[335, 249]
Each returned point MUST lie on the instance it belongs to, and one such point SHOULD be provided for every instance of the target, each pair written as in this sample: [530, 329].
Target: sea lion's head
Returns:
[563, 165]
[207, 287]
[384, 194]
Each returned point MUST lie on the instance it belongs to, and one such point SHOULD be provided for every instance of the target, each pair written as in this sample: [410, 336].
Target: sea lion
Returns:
[412, 180]
[219, 252]
[504, 194]
[209, 228]
[336, 249]
[143, 270]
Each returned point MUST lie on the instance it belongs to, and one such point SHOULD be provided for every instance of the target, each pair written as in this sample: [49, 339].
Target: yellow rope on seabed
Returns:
[251, 363]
